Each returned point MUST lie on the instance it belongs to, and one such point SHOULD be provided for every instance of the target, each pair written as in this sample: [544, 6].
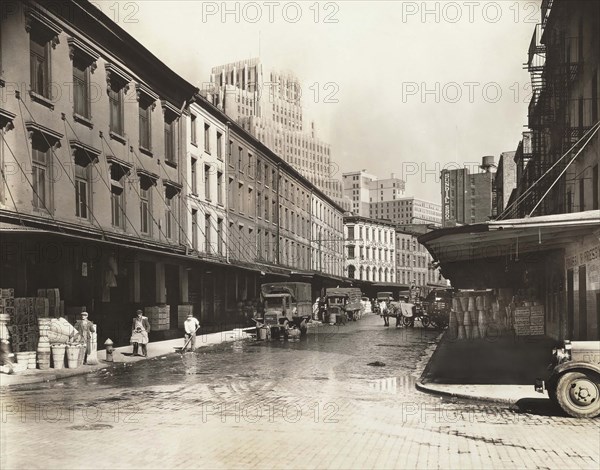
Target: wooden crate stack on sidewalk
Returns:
[159, 317]
[476, 315]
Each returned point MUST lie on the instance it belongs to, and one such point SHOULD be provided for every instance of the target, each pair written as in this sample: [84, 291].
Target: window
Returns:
[240, 159]
[220, 188]
[145, 208]
[595, 201]
[249, 203]
[193, 129]
[41, 155]
[351, 233]
[259, 204]
[115, 99]
[267, 208]
[194, 176]
[207, 240]
[207, 182]
[144, 113]
[207, 138]
[230, 199]
[82, 181]
[81, 87]
[39, 50]
[258, 171]
[250, 166]
[220, 236]
[169, 203]
[170, 138]
[230, 153]
[350, 252]
[219, 146]
[241, 198]
[195, 229]
[117, 200]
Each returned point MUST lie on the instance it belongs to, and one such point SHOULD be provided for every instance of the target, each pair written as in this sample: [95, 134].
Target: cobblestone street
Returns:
[309, 404]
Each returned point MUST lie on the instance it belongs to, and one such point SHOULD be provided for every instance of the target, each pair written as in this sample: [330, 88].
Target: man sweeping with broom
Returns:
[191, 325]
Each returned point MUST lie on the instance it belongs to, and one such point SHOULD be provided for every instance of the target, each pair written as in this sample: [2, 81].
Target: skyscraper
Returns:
[267, 103]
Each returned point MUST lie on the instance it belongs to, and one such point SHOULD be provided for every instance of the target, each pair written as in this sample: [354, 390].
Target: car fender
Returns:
[574, 365]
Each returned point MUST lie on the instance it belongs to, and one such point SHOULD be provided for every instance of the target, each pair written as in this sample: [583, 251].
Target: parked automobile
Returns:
[286, 305]
[574, 383]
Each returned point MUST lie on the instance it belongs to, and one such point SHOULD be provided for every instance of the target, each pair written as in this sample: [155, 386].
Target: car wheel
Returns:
[551, 389]
[407, 321]
[578, 394]
[425, 321]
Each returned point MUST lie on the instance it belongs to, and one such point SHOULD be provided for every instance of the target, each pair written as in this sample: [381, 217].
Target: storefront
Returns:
[537, 276]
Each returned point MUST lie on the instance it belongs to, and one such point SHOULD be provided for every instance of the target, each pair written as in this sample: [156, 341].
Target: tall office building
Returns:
[364, 189]
[267, 103]
[407, 210]
[468, 198]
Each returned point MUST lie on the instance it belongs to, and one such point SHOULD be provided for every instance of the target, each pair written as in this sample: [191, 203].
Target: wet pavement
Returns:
[343, 397]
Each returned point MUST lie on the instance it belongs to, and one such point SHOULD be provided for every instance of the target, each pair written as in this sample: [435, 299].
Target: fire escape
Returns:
[557, 120]
[533, 154]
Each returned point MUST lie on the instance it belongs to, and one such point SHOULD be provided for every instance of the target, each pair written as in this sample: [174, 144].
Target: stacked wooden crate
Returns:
[158, 316]
[536, 320]
[521, 321]
[23, 324]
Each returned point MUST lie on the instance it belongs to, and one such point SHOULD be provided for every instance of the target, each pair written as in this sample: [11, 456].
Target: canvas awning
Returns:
[495, 253]
[509, 237]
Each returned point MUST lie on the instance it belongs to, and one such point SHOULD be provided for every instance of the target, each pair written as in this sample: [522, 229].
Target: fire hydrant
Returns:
[109, 350]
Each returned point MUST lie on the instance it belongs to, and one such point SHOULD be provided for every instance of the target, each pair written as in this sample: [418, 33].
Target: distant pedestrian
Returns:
[191, 325]
[384, 313]
[140, 328]
[85, 328]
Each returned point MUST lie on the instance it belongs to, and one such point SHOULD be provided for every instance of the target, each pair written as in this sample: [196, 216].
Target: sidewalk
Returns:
[122, 355]
[502, 370]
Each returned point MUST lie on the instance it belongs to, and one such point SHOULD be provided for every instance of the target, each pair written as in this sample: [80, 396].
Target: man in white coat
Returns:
[191, 324]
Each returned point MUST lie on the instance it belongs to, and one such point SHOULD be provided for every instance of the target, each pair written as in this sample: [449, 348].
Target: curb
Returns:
[419, 385]
[89, 369]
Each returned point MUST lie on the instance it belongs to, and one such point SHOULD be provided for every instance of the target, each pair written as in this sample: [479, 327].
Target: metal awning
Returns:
[509, 237]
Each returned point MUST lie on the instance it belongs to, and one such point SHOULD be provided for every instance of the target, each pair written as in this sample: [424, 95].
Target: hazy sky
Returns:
[404, 87]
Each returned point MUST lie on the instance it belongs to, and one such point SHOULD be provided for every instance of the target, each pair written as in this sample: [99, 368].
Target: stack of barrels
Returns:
[474, 315]
[43, 349]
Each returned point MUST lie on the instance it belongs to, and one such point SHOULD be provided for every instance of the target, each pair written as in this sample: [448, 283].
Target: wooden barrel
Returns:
[73, 356]
[43, 360]
[5, 317]
[452, 325]
[22, 357]
[58, 355]
[81, 357]
[479, 302]
[466, 319]
[471, 304]
[32, 360]
[482, 323]
[464, 302]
